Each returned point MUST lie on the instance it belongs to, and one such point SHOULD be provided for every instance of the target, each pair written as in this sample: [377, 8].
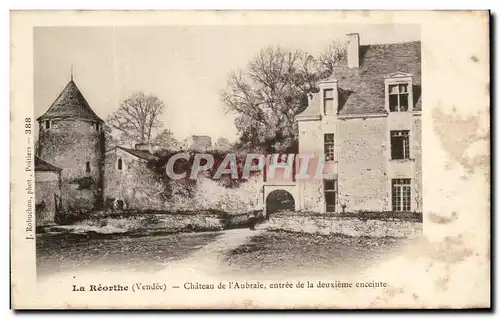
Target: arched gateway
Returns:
[280, 197]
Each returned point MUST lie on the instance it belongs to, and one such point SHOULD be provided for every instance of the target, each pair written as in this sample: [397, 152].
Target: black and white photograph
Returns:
[116, 105]
[242, 158]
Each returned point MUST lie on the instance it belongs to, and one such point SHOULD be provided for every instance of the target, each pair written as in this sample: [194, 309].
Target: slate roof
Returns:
[140, 154]
[41, 165]
[362, 90]
[70, 104]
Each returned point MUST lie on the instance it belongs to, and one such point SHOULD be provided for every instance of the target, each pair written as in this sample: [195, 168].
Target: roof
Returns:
[140, 154]
[362, 90]
[70, 104]
[41, 165]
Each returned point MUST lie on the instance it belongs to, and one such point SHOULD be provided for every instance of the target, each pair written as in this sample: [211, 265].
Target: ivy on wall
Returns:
[86, 182]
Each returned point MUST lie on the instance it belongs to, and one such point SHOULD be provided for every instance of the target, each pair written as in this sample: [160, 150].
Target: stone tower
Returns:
[71, 137]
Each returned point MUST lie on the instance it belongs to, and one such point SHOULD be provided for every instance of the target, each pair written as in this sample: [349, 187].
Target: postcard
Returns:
[250, 160]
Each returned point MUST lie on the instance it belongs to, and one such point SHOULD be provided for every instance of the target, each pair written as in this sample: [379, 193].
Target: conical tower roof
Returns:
[70, 104]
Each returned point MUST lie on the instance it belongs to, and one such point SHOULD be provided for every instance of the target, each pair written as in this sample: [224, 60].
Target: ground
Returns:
[238, 250]
[276, 252]
[59, 253]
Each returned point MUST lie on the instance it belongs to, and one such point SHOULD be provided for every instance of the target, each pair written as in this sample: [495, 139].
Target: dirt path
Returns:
[210, 258]
[230, 240]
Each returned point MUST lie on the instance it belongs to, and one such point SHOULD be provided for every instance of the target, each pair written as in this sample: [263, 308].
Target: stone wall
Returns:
[135, 184]
[46, 186]
[310, 136]
[350, 226]
[146, 223]
[410, 168]
[69, 145]
[176, 222]
[362, 178]
[311, 193]
[362, 166]
[417, 149]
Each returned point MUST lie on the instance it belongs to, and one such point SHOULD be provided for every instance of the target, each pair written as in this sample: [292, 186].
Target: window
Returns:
[329, 147]
[120, 164]
[97, 126]
[47, 124]
[328, 101]
[120, 204]
[87, 167]
[398, 97]
[401, 195]
[400, 144]
[330, 195]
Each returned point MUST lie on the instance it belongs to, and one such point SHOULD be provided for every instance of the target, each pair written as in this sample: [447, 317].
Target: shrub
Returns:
[108, 203]
[69, 216]
[86, 182]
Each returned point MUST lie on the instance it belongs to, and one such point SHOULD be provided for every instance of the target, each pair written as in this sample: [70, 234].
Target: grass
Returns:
[275, 251]
[66, 252]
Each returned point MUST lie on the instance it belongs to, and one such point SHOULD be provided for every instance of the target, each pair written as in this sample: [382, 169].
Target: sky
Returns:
[185, 66]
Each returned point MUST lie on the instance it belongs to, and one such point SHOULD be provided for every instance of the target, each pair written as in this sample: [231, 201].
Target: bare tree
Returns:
[137, 119]
[333, 54]
[272, 89]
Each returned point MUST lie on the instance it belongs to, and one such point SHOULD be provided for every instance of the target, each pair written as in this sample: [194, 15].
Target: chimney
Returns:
[353, 50]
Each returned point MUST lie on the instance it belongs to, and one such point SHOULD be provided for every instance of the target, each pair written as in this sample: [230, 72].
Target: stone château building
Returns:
[366, 122]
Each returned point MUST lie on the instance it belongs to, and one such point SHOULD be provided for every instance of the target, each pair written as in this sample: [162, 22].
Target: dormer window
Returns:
[47, 124]
[328, 101]
[399, 96]
[329, 96]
